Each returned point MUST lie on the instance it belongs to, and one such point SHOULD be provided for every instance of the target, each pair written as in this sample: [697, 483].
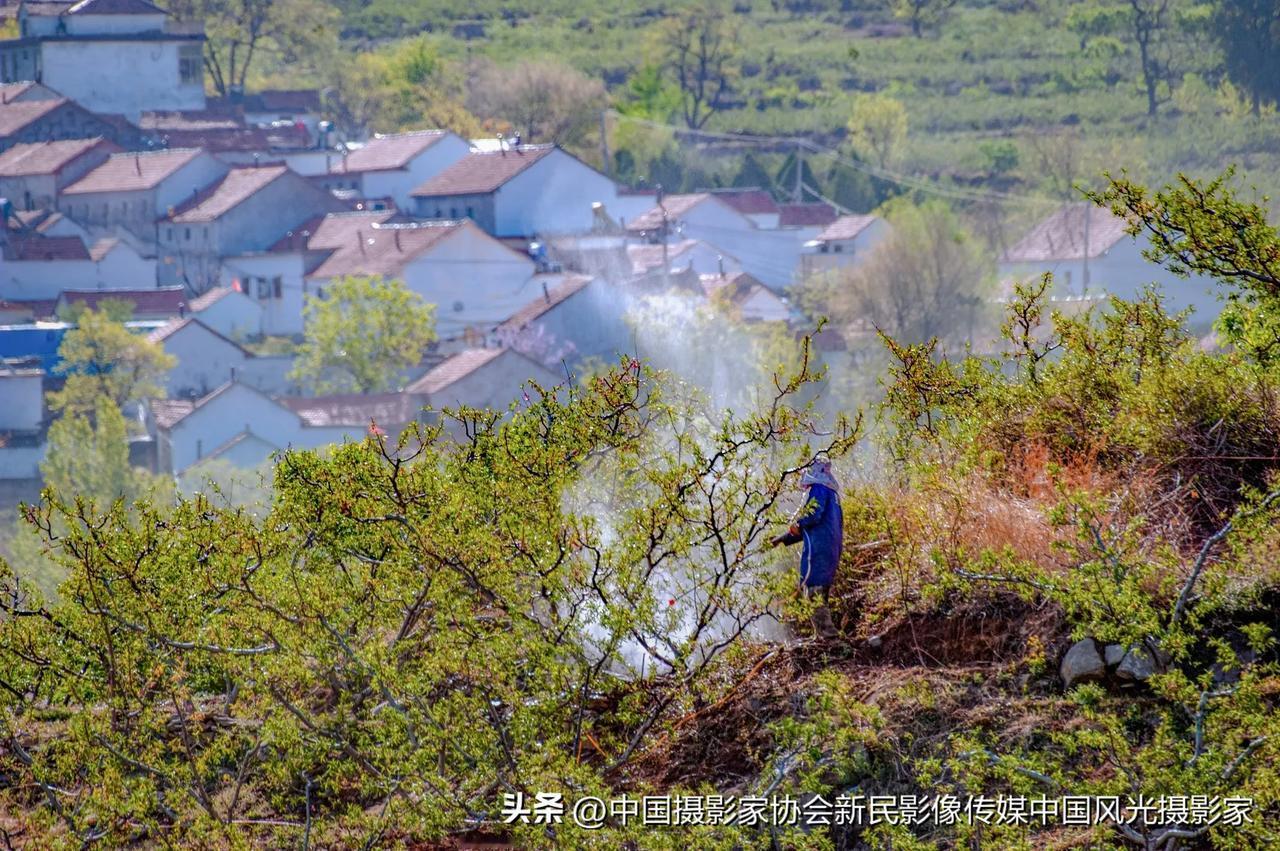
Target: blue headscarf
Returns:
[819, 473]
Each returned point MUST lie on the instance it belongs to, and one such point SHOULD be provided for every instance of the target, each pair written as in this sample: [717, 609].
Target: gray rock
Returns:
[1139, 664]
[1082, 664]
[1113, 654]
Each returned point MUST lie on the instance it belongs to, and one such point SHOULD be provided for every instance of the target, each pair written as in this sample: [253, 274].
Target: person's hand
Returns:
[793, 529]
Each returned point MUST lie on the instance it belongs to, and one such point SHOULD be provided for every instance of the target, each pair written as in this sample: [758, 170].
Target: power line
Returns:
[909, 181]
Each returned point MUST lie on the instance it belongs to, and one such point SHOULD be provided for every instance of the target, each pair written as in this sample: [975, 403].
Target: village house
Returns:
[32, 174]
[230, 312]
[392, 166]
[1089, 253]
[754, 203]
[475, 280]
[116, 56]
[746, 298]
[772, 256]
[694, 255]
[205, 359]
[30, 112]
[276, 279]
[22, 430]
[480, 378]
[524, 191]
[846, 241]
[145, 305]
[583, 311]
[274, 108]
[244, 426]
[38, 266]
[248, 209]
[133, 190]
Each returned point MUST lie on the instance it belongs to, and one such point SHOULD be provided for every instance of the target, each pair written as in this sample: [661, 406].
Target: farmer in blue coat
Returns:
[820, 525]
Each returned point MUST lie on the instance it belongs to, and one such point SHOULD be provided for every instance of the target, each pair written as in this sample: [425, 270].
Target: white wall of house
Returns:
[475, 281]
[236, 409]
[124, 77]
[21, 462]
[399, 183]
[843, 253]
[592, 319]
[494, 385]
[770, 256]
[1123, 271]
[235, 315]
[21, 400]
[763, 306]
[270, 374]
[205, 361]
[30, 192]
[553, 196]
[121, 269]
[139, 210]
[257, 274]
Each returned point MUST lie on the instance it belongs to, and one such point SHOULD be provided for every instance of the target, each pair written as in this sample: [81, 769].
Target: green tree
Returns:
[700, 49]
[100, 357]
[922, 13]
[412, 632]
[878, 128]
[544, 101]
[362, 334]
[928, 279]
[1204, 228]
[241, 32]
[1248, 31]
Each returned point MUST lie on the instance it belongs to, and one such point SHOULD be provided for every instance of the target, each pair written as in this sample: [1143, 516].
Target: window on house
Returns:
[264, 289]
[824, 248]
[439, 213]
[277, 287]
[186, 234]
[169, 234]
[199, 449]
[837, 248]
[453, 212]
[470, 213]
[190, 64]
[106, 211]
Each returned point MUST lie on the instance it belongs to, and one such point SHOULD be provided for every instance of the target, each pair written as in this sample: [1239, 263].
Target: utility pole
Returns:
[604, 144]
[666, 229]
[1084, 276]
[799, 190]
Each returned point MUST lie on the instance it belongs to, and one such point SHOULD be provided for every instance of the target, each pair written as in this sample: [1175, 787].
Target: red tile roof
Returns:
[102, 248]
[36, 248]
[236, 186]
[384, 153]
[557, 295]
[168, 330]
[115, 7]
[46, 157]
[15, 115]
[169, 412]
[482, 172]
[806, 215]
[846, 227]
[386, 409]
[296, 101]
[384, 249]
[332, 231]
[1062, 235]
[675, 206]
[210, 298]
[646, 257]
[167, 301]
[452, 369]
[131, 172]
[748, 201]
